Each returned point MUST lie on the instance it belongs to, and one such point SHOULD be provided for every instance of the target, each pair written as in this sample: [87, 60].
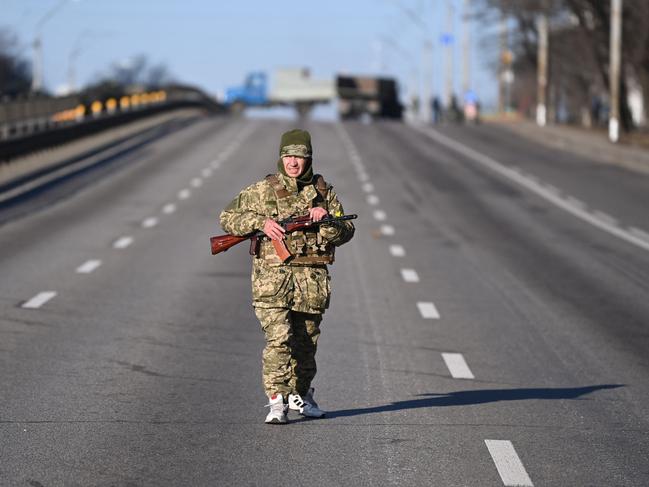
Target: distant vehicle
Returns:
[289, 87]
[360, 97]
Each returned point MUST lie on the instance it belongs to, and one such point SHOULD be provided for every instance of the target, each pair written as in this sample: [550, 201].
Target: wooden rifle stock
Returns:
[221, 243]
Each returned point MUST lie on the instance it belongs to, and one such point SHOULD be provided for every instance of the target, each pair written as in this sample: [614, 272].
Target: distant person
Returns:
[289, 298]
[436, 107]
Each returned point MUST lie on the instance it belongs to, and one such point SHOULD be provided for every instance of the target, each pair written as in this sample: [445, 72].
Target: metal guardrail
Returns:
[30, 125]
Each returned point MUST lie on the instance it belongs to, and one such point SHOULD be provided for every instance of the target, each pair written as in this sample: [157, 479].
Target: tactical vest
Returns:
[308, 247]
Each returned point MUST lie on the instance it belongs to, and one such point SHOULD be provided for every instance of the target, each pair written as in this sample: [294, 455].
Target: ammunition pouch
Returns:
[307, 248]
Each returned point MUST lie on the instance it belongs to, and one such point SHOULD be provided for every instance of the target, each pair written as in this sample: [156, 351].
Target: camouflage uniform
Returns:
[289, 298]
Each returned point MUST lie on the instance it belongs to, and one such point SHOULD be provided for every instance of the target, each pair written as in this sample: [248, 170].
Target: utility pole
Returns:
[449, 54]
[503, 65]
[466, 48]
[424, 103]
[614, 75]
[542, 71]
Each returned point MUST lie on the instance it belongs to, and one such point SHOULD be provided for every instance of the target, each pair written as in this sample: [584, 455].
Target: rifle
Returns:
[221, 243]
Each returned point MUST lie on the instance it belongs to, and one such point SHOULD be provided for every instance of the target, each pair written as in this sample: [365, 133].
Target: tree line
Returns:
[578, 57]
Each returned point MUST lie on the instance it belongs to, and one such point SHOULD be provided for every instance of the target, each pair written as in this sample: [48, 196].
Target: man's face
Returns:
[293, 165]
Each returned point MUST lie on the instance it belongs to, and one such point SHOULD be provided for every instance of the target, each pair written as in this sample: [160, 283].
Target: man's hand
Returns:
[273, 230]
[317, 213]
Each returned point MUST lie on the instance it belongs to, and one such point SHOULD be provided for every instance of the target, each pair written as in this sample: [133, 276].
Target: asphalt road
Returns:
[488, 326]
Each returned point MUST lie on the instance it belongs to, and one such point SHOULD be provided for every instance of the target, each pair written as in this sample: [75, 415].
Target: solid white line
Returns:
[511, 469]
[552, 189]
[530, 183]
[168, 208]
[428, 311]
[409, 275]
[372, 199]
[39, 300]
[571, 200]
[397, 251]
[88, 266]
[206, 173]
[150, 222]
[639, 233]
[605, 217]
[457, 366]
[196, 182]
[183, 194]
[368, 187]
[380, 215]
[387, 230]
[122, 242]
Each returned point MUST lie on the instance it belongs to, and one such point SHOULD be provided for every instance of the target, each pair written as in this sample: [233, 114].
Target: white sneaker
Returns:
[305, 404]
[277, 413]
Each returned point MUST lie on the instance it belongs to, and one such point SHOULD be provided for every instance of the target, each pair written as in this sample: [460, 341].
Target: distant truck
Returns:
[363, 96]
[290, 87]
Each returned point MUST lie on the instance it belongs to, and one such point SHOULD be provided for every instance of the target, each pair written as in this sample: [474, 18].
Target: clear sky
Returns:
[214, 43]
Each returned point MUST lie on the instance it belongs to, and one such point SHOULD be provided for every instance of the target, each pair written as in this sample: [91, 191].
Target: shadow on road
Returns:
[468, 398]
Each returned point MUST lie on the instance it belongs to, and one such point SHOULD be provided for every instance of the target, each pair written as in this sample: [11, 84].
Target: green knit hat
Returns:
[296, 142]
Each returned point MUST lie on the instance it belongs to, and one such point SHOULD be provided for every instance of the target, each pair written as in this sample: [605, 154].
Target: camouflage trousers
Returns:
[288, 360]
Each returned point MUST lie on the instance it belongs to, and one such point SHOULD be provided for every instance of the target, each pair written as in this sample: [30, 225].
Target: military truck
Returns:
[363, 96]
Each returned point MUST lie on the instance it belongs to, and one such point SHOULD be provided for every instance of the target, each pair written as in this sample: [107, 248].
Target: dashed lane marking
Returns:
[379, 215]
[196, 182]
[88, 266]
[183, 194]
[397, 251]
[39, 300]
[511, 469]
[149, 222]
[122, 242]
[368, 187]
[457, 366]
[532, 184]
[168, 208]
[372, 199]
[409, 275]
[206, 173]
[428, 311]
[363, 176]
[387, 230]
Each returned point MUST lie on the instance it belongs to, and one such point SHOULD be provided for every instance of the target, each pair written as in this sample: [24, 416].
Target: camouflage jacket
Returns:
[303, 287]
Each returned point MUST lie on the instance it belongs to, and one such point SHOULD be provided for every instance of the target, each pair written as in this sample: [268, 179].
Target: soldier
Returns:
[290, 298]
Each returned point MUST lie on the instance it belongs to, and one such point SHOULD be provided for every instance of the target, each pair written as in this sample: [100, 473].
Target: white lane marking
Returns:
[206, 173]
[511, 469]
[457, 366]
[428, 311]
[530, 183]
[605, 217]
[39, 300]
[409, 275]
[552, 189]
[196, 182]
[368, 187]
[122, 242]
[397, 251]
[215, 164]
[372, 199]
[639, 233]
[149, 222]
[387, 230]
[183, 194]
[168, 208]
[88, 266]
[380, 215]
[363, 176]
[572, 201]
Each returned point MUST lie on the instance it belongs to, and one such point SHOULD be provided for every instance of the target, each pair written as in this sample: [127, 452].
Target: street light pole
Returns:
[542, 71]
[614, 74]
